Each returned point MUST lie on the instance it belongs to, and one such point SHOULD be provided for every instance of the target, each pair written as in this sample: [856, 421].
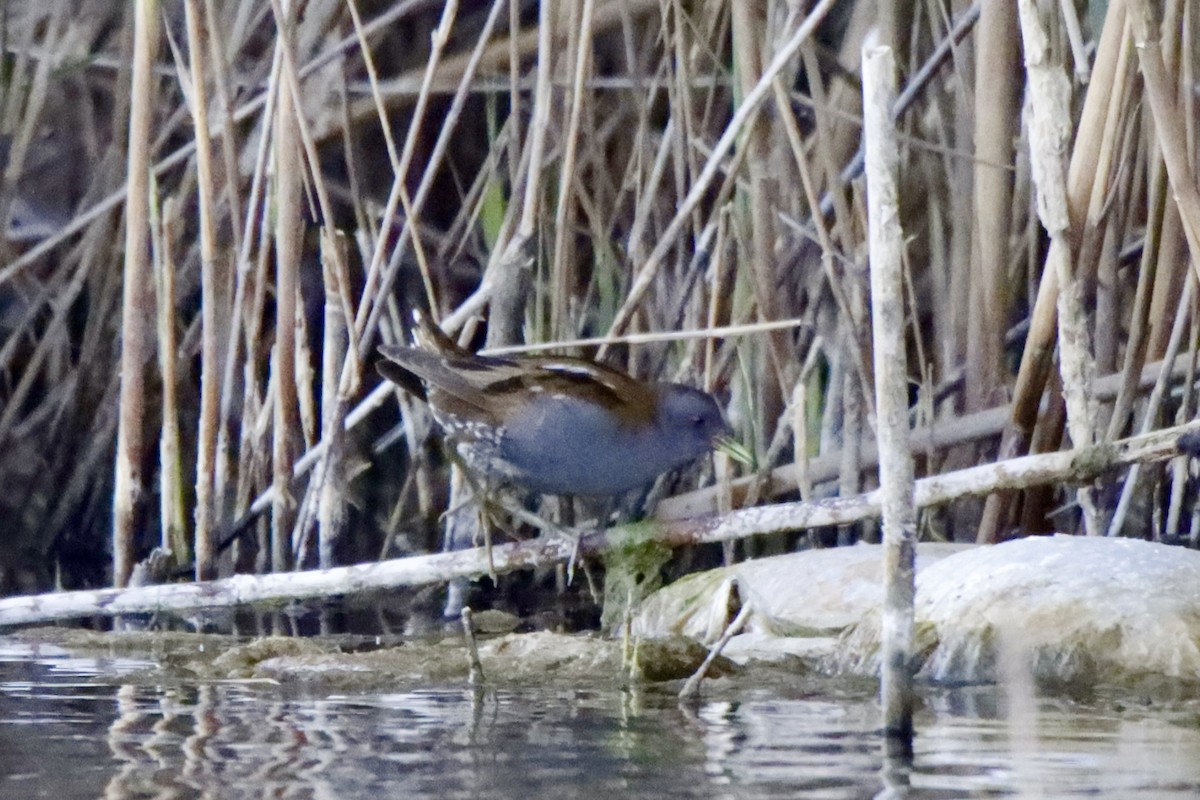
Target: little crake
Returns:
[555, 425]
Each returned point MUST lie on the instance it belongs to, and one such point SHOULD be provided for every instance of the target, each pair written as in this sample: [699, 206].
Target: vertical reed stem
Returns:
[288, 238]
[886, 241]
[129, 494]
[211, 301]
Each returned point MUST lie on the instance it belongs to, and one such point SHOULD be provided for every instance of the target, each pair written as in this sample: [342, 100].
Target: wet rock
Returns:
[677, 658]
[1073, 612]
[494, 621]
[242, 661]
[544, 654]
[412, 664]
[800, 601]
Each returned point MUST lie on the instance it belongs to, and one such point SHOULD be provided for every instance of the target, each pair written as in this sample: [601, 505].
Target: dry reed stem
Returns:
[1037, 356]
[749, 40]
[996, 115]
[247, 295]
[295, 390]
[130, 489]
[563, 269]
[504, 283]
[1140, 325]
[1169, 126]
[371, 306]
[1172, 139]
[403, 162]
[1049, 131]
[702, 183]
[229, 143]
[882, 160]
[288, 183]
[172, 513]
[334, 351]
[212, 298]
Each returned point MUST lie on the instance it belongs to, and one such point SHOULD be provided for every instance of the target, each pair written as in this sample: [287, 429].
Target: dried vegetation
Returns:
[229, 204]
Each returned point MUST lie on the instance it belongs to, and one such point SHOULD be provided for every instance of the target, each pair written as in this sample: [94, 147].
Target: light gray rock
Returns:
[811, 596]
[1070, 610]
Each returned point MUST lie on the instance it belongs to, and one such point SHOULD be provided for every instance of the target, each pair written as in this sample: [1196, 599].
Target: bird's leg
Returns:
[489, 499]
[603, 508]
[492, 496]
[537, 521]
[596, 513]
[479, 493]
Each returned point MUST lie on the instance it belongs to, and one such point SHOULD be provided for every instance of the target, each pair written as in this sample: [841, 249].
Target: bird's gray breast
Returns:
[563, 445]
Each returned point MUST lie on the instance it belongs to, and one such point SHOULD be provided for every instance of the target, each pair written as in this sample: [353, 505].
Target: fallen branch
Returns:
[1017, 473]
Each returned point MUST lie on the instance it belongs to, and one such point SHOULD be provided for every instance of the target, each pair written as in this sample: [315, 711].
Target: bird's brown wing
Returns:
[415, 369]
[631, 400]
[494, 389]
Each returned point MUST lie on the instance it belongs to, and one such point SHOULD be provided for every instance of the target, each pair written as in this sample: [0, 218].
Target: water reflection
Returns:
[64, 733]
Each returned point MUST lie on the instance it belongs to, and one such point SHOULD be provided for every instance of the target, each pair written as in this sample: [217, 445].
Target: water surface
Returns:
[75, 727]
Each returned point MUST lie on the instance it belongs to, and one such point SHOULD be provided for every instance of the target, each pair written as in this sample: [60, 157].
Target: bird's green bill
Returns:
[735, 450]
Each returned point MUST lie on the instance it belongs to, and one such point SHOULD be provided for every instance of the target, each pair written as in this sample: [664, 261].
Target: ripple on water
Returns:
[70, 728]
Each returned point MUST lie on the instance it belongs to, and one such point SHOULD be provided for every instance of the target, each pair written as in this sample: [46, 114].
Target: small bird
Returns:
[551, 424]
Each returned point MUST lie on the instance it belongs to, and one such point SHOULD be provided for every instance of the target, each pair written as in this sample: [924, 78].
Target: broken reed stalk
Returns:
[381, 276]
[229, 144]
[242, 341]
[750, 42]
[171, 481]
[564, 269]
[401, 163]
[505, 276]
[474, 665]
[331, 511]
[130, 490]
[691, 687]
[886, 241]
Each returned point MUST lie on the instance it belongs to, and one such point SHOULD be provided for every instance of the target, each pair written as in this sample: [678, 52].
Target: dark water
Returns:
[67, 733]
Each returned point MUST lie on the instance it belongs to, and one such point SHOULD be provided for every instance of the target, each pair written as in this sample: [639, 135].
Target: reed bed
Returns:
[215, 211]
